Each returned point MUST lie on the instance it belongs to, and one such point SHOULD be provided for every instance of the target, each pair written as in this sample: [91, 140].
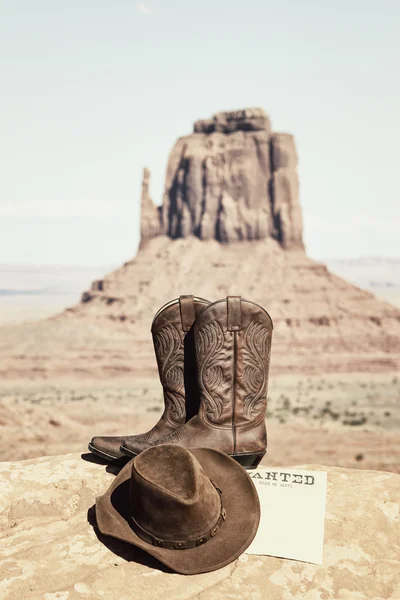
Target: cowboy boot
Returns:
[233, 347]
[174, 348]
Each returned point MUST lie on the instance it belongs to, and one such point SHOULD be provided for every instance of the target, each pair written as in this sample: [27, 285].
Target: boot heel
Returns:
[248, 460]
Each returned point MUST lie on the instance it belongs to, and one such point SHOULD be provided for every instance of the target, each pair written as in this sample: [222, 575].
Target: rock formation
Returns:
[150, 225]
[286, 208]
[51, 549]
[231, 180]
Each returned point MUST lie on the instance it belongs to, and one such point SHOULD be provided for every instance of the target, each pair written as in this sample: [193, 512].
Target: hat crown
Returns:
[171, 497]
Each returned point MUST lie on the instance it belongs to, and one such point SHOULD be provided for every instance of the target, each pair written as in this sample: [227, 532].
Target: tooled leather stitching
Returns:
[209, 343]
[183, 432]
[172, 438]
[169, 350]
[143, 437]
[256, 356]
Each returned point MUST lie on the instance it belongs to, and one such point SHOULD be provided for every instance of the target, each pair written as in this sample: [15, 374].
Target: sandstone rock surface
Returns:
[49, 550]
[233, 180]
[150, 215]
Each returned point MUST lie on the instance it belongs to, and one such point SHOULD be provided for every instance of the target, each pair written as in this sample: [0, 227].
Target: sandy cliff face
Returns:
[230, 223]
[231, 180]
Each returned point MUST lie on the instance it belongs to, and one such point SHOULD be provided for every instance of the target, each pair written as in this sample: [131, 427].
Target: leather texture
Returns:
[233, 348]
[194, 511]
[174, 349]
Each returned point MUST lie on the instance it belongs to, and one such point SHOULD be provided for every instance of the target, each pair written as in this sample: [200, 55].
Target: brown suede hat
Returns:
[195, 511]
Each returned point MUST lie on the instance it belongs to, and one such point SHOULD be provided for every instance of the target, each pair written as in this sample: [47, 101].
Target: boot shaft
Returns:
[233, 347]
[174, 349]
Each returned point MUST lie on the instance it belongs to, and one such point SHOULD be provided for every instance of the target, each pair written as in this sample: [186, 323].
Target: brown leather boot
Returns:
[174, 348]
[233, 347]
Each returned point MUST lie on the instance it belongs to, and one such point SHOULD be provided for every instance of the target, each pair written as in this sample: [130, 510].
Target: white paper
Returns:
[292, 513]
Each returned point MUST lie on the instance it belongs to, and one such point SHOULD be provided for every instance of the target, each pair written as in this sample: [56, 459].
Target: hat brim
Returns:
[239, 498]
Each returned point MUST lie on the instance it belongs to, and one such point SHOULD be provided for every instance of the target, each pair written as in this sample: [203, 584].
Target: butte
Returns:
[230, 222]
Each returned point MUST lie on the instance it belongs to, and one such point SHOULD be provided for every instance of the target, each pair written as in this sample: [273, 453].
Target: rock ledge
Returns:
[49, 550]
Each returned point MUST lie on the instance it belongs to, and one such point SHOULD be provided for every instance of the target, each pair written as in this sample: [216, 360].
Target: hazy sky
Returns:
[93, 90]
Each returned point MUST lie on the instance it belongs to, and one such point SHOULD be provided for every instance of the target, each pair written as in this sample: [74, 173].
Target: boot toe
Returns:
[107, 447]
[134, 445]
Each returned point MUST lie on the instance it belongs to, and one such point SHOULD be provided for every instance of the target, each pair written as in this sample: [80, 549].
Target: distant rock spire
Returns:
[150, 223]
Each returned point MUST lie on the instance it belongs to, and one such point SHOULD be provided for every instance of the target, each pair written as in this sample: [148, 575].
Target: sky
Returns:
[91, 91]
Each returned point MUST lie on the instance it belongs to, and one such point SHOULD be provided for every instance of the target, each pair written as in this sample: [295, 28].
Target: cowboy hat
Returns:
[195, 511]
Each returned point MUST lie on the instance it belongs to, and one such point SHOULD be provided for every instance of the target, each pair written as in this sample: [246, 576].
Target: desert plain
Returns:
[349, 420]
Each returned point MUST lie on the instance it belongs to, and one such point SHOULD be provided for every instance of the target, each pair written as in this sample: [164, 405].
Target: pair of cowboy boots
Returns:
[213, 362]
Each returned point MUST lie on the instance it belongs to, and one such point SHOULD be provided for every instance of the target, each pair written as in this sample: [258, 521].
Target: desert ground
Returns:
[343, 420]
